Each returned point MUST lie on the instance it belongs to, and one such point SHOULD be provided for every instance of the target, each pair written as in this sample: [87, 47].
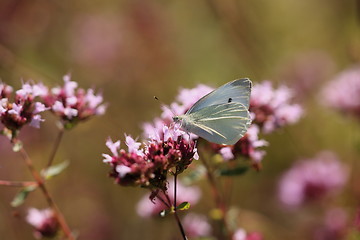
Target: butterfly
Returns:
[222, 116]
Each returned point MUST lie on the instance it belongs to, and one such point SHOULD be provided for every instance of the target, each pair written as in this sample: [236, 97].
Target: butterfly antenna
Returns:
[164, 105]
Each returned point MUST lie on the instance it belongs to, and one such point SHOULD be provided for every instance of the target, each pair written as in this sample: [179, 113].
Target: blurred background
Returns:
[133, 50]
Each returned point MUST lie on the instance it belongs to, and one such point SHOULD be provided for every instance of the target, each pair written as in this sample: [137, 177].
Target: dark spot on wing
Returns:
[230, 100]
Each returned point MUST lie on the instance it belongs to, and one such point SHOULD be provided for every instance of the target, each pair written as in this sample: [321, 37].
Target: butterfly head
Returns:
[176, 119]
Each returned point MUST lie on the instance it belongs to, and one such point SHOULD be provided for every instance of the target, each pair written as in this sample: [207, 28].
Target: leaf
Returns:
[183, 206]
[233, 171]
[54, 170]
[165, 212]
[22, 195]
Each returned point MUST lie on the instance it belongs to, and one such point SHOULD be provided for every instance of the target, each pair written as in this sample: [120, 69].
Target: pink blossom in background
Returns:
[241, 234]
[357, 220]
[334, 226]
[312, 179]
[196, 225]
[273, 108]
[147, 208]
[147, 164]
[343, 92]
[73, 104]
[96, 40]
[43, 221]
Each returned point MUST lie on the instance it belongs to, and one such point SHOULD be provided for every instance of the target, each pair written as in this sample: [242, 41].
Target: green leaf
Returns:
[165, 212]
[54, 170]
[233, 171]
[183, 206]
[22, 195]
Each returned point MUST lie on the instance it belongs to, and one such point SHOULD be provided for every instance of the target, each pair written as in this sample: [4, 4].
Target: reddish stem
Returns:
[55, 148]
[64, 226]
[17, 183]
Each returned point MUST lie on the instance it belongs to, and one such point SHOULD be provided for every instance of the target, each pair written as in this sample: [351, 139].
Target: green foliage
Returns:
[54, 170]
[21, 196]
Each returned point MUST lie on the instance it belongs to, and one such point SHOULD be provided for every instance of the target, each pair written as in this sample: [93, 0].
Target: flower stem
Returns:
[17, 183]
[64, 226]
[177, 219]
[183, 234]
[220, 204]
[55, 148]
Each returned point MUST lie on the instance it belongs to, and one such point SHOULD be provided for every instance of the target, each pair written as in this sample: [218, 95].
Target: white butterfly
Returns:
[222, 116]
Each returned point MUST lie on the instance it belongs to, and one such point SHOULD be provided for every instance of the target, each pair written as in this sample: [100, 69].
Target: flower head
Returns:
[149, 206]
[73, 104]
[272, 108]
[5, 90]
[196, 226]
[343, 92]
[149, 165]
[312, 179]
[241, 234]
[44, 222]
[24, 109]
[333, 227]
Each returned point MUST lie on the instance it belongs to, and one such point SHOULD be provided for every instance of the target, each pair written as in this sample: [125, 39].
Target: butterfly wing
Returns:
[237, 91]
[222, 123]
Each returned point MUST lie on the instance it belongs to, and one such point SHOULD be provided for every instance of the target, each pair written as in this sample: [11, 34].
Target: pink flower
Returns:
[24, 109]
[44, 222]
[334, 226]
[312, 179]
[196, 225]
[343, 92]
[149, 165]
[5, 90]
[73, 104]
[241, 234]
[148, 207]
[272, 108]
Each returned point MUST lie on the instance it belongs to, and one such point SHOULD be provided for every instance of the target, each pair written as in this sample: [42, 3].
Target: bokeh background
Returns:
[133, 50]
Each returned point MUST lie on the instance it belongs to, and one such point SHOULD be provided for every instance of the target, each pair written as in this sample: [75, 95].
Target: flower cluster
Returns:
[312, 179]
[146, 208]
[247, 147]
[22, 109]
[73, 104]
[149, 166]
[272, 108]
[241, 234]
[343, 92]
[44, 222]
[196, 226]
[334, 225]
